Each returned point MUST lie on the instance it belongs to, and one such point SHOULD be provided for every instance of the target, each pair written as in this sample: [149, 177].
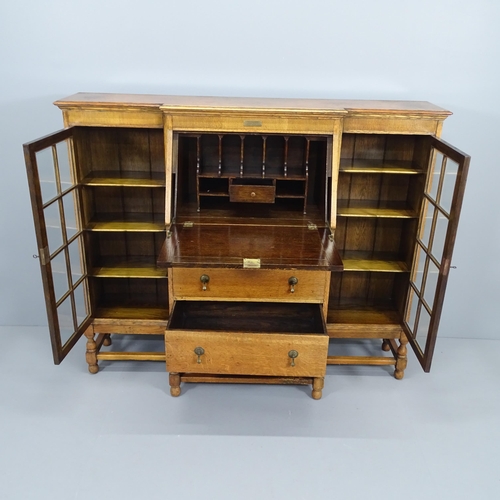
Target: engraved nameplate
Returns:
[251, 263]
[252, 123]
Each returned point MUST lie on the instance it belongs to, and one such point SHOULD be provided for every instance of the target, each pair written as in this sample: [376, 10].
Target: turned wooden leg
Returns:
[386, 346]
[91, 353]
[107, 340]
[175, 384]
[401, 359]
[318, 384]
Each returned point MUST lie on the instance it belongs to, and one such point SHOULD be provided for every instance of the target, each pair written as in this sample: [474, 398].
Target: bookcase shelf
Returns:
[132, 313]
[127, 267]
[357, 166]
[135, 222]
[109, 178]
[373, 261]
[388, 209]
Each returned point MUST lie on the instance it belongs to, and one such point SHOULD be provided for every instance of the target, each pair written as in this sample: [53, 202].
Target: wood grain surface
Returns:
[249, 284]
[227, 246]
[238, 353]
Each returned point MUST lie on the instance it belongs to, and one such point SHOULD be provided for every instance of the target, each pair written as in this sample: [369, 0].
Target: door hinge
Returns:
[311, 226]
[446, 267]
[188, 223]
[44, 256]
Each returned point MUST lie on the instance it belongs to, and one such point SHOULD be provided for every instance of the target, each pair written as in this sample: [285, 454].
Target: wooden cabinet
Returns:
[247, 228]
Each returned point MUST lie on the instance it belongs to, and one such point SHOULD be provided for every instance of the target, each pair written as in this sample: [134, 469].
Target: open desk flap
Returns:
[242, 246]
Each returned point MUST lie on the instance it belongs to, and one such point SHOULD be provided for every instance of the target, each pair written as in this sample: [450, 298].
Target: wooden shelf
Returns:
[125, 179]
[367, 315]
[293, 189]
[372, 261]
[354, 166]
[354, 321]
[134, 313]
[359, 208]
[129, 222]
[126, 226]
[255, 175]
[129, 267]
[214, 193]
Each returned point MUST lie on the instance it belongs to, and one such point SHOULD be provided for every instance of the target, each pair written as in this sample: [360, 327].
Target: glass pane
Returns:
[425, 230]
[75, 259]
[53, 225]
[434, 174]
[46, 173]
[410, 321]
[418, 272]
[59, 274]
[450, 177]
[69, 205]
[431, 284]
[80, 304]
[64, 165]
[65, 317]
[439, 236]
[424, 322]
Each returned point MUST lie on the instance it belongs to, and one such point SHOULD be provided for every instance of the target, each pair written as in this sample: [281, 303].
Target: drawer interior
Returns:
[249, 317]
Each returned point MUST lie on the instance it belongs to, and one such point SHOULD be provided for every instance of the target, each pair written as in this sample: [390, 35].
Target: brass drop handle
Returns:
[292, 281]
[292, 355]
[204, 278]
[199, 351]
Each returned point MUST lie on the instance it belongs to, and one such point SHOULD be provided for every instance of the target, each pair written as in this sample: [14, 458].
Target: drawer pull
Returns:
[204, 278]
[292, 282]
[292, 355]
[199, 351]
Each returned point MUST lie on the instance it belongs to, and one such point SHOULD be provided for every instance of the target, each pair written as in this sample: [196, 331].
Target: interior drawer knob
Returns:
[292, 355]
[204, 278]
[199, 351]
[292, 281]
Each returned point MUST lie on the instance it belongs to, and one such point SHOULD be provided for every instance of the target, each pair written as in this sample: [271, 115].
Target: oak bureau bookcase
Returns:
[248, 234]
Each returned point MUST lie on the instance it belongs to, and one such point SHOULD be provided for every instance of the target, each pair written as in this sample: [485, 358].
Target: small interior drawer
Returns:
[247, 338]
[252, 190]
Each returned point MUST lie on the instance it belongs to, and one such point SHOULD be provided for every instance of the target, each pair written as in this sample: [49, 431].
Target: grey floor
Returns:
[66, 434]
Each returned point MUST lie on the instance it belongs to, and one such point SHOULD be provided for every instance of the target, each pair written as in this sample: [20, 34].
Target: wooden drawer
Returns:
[249, 284]
[247, 339]
[252, 193]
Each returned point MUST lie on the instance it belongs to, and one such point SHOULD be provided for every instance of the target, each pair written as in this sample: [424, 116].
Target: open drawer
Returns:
[247, 338]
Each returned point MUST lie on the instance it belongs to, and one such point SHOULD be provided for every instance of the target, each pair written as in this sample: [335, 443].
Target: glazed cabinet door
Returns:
[56, 202]
[440, 211]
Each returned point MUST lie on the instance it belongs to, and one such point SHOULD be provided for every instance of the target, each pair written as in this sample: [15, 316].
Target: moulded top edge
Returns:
[206, 103]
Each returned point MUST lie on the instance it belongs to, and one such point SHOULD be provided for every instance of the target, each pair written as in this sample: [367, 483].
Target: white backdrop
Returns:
[443, 51]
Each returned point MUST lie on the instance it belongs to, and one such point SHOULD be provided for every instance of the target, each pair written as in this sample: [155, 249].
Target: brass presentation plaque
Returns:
[251, 263]
[252, 123]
